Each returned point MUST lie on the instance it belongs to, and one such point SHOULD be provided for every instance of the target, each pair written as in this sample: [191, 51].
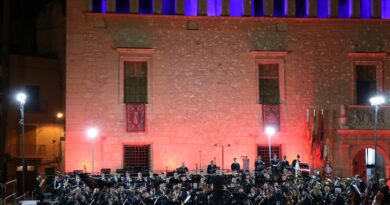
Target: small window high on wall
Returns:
[214, 7]
[301, 8]
[97, 6]
[236, 7]
[345, 8]
[366, 83]
[168, 7]
[280, 8]
[135, 82]
[122, 6]
[386, 9]
[323, 8]
[258, 8]
[146, 7]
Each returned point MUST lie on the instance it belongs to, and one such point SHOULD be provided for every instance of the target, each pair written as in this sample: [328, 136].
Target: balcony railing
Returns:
[30, 150]
[362, 117]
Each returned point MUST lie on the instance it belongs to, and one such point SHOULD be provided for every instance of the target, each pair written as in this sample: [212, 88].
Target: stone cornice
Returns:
[269, 53]
[367, 55]
[147, 51]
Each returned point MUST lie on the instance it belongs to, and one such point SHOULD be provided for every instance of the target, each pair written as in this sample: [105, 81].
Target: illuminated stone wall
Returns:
[203, 85]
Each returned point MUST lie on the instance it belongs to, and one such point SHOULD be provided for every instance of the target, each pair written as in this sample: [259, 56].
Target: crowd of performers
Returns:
[277, 184]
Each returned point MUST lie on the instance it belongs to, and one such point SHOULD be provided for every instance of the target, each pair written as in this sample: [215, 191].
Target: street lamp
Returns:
[376, 101]
[21, 98]
[270, 131]
[92, 134]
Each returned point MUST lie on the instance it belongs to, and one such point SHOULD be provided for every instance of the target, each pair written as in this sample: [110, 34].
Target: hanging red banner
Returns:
[135, 117]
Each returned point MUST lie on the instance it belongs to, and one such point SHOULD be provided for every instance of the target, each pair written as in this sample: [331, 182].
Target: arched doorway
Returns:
[364, 163]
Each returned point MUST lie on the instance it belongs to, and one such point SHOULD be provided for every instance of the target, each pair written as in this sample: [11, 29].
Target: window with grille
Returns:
[263, 151]
[269, 84]
[136, 158]
[366, 83]
[135, 82]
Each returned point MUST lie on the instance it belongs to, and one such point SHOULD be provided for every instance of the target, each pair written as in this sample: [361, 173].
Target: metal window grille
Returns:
[263, 151]
[136, 158]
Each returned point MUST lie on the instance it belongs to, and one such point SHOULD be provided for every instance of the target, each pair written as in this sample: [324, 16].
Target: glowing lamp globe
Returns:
[377, 100]
[92, 133]
[270, 131]
[60, 115]
[21, 98]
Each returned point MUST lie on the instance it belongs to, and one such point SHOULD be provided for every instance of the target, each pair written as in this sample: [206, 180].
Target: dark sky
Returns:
[23, 14]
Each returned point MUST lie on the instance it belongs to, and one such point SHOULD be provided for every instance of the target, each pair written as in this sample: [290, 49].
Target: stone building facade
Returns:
[203, 85]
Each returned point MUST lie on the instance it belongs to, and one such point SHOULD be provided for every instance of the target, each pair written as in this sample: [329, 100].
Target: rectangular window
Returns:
[302, 8]
[97, 6]
[366, 83]
[33, 99]
[258, 8]
[269, 84]
[146, 6]
[168, 7]
[122, 6]
[136, 158]
[263, 151]
[135, 82]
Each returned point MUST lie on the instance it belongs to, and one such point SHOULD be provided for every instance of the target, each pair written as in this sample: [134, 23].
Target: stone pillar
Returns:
[269, 7]
[180, 7]
[157, 7]
[313, 8]
[345, 160]
[376, 8]
[111, 6]
[225, 8]
[356, 9]
[202, 7]
[291, 8]
[334, 8]
[134, 6]
[248, 7]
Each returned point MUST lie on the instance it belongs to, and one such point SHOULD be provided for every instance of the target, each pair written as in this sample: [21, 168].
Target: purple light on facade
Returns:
[214, 7]
[236, 7]
[104, 6]
[386, 9]
[168, 7]
[96, 6]
[345, 8]
[191, 7]
[323, 9]
[146, 6]
[365, 8]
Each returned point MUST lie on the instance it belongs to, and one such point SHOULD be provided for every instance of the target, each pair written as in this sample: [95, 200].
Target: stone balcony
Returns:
[362, 117]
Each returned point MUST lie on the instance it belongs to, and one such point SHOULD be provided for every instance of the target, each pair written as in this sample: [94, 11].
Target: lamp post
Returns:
[92, 134]
[376, 101]
[21, 98]
[222, 146]
[270, 131]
